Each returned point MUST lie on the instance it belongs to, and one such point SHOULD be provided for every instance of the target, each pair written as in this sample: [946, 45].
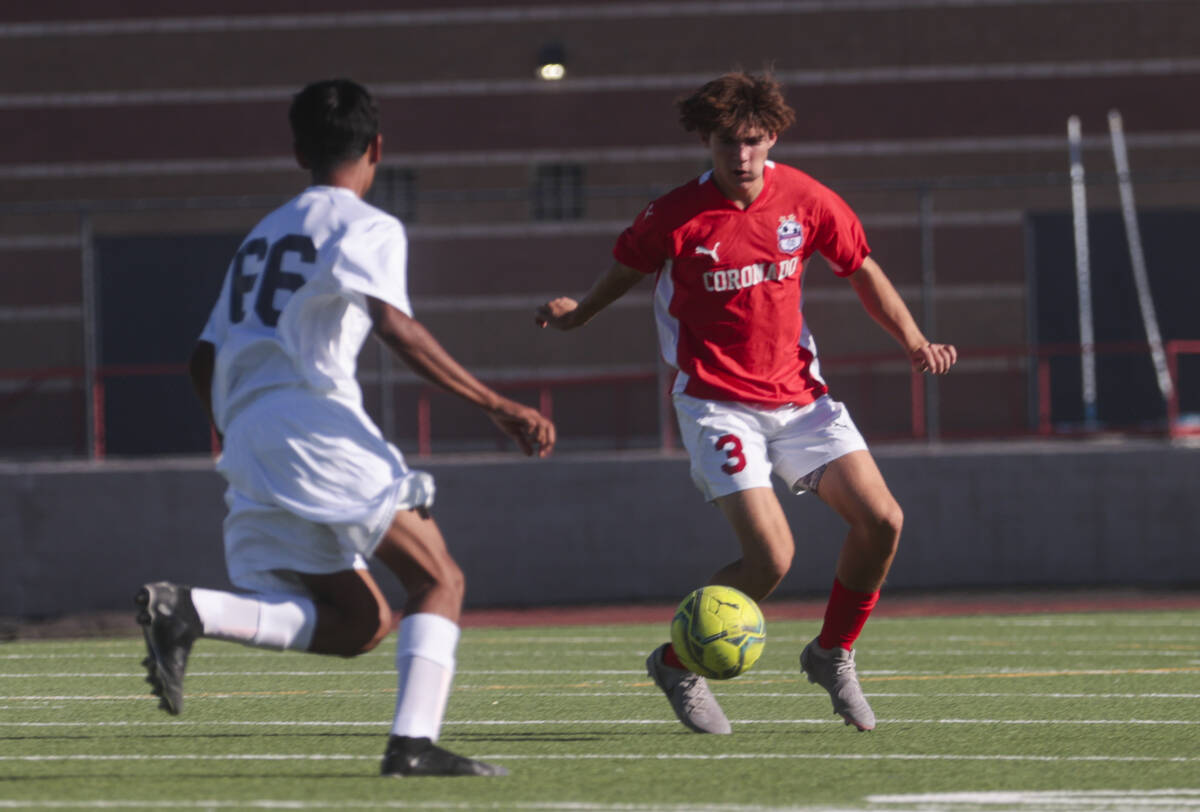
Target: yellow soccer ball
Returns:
[718, 632]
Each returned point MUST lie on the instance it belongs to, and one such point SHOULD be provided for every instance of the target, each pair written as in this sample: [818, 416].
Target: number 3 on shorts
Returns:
[735, 457]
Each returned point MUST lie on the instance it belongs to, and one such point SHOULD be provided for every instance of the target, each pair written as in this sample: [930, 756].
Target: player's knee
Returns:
[885, 528]
[777, 566]
[449, 580]
[445, 580]
[456, 582]
[763, 575]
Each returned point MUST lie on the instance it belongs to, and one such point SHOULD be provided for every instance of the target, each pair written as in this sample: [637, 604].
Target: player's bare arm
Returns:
[416, 346]
[200, 370]
[881, 300]
[564, 313]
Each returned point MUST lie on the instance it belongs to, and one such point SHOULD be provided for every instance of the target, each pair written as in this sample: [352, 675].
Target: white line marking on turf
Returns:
[979, 695]
[1082, 622]
[833, 757]
[578, 694]
[1107, 651]
[501, 757]
[812, 695]
[266, 803]
[587, 672]
[139, 674]
[1075, 800]
[569, 722]
[488, 672]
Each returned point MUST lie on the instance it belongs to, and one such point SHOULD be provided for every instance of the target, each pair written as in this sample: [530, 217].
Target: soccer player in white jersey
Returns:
[728, 251]
[314, 489]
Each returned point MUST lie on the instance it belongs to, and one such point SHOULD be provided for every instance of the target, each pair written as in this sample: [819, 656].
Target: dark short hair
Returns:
[734, 102]
[333, 121]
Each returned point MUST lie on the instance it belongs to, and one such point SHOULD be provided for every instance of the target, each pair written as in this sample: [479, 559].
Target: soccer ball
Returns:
[718, 632]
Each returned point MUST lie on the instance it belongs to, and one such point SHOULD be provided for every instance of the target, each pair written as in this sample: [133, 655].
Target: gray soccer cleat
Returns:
[170, 625]
[833, 669]
[420, 756]
[690, 698]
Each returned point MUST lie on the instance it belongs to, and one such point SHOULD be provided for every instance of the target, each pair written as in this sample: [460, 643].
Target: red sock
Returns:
[672, 659]
[845, 615]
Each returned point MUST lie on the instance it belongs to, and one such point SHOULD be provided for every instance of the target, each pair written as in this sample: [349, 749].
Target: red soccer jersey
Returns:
[728, 296]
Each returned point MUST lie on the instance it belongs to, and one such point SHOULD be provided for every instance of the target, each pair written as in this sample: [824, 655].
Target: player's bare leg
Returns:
[347, 615]
[413, 548]
[762, 529]
[415, 551]
[767, 549]
[853, 486]
[353, 615]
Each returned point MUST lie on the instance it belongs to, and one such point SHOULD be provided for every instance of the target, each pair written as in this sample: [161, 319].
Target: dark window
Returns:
[395, 191]
[153, 297]
[558, 192]
[1127, 391]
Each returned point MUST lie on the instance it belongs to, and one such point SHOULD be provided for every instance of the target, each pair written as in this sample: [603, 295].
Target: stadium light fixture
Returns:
[551, 62]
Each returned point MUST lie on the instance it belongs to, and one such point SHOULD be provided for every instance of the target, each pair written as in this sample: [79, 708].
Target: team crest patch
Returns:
[791, 234]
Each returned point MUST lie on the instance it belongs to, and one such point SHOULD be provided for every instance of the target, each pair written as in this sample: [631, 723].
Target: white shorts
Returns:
[313, 486]
[735, 446]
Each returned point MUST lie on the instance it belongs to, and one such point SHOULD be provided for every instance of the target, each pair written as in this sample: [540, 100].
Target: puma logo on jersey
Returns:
[712, 252]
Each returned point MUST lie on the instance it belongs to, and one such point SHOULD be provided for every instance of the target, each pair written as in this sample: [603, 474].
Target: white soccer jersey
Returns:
[292, 310]
[313, 483]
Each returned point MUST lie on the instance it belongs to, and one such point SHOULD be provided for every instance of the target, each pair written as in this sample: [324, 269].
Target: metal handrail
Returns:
[546, 385]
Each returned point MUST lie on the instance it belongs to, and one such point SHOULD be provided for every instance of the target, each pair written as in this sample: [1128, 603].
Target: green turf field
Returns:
[1067, 712]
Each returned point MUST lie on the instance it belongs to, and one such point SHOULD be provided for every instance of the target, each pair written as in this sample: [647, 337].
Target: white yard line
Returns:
[279, 803]
[570, 722]
[501, 757]
[758, 674]
[1075, 800]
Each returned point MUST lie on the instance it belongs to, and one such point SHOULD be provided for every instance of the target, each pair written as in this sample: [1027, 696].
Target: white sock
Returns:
[425, 662]
[263, 621]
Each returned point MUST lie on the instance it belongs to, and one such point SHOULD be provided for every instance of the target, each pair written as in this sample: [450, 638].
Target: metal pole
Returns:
[91, 331]
[929, 314]
[1083, 272]
[1032, 336]
[1137, 256]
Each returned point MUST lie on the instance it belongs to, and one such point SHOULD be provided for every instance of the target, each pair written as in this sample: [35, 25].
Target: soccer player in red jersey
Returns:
[728, 251]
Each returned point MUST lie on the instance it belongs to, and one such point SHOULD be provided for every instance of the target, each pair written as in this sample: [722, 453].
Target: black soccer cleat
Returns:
[170, 625]
[409, 756]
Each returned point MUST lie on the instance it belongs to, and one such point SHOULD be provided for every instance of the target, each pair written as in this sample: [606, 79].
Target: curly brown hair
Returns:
[734, 102]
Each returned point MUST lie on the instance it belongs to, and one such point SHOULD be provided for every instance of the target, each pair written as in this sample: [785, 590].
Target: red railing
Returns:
[1175, 427]
[1174, 349]
[545, 389]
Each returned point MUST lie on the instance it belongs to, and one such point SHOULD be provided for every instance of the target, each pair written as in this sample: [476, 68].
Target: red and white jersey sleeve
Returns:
[728, 298]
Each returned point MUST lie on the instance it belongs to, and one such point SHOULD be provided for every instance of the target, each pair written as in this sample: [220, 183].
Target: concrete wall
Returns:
[584, 529]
